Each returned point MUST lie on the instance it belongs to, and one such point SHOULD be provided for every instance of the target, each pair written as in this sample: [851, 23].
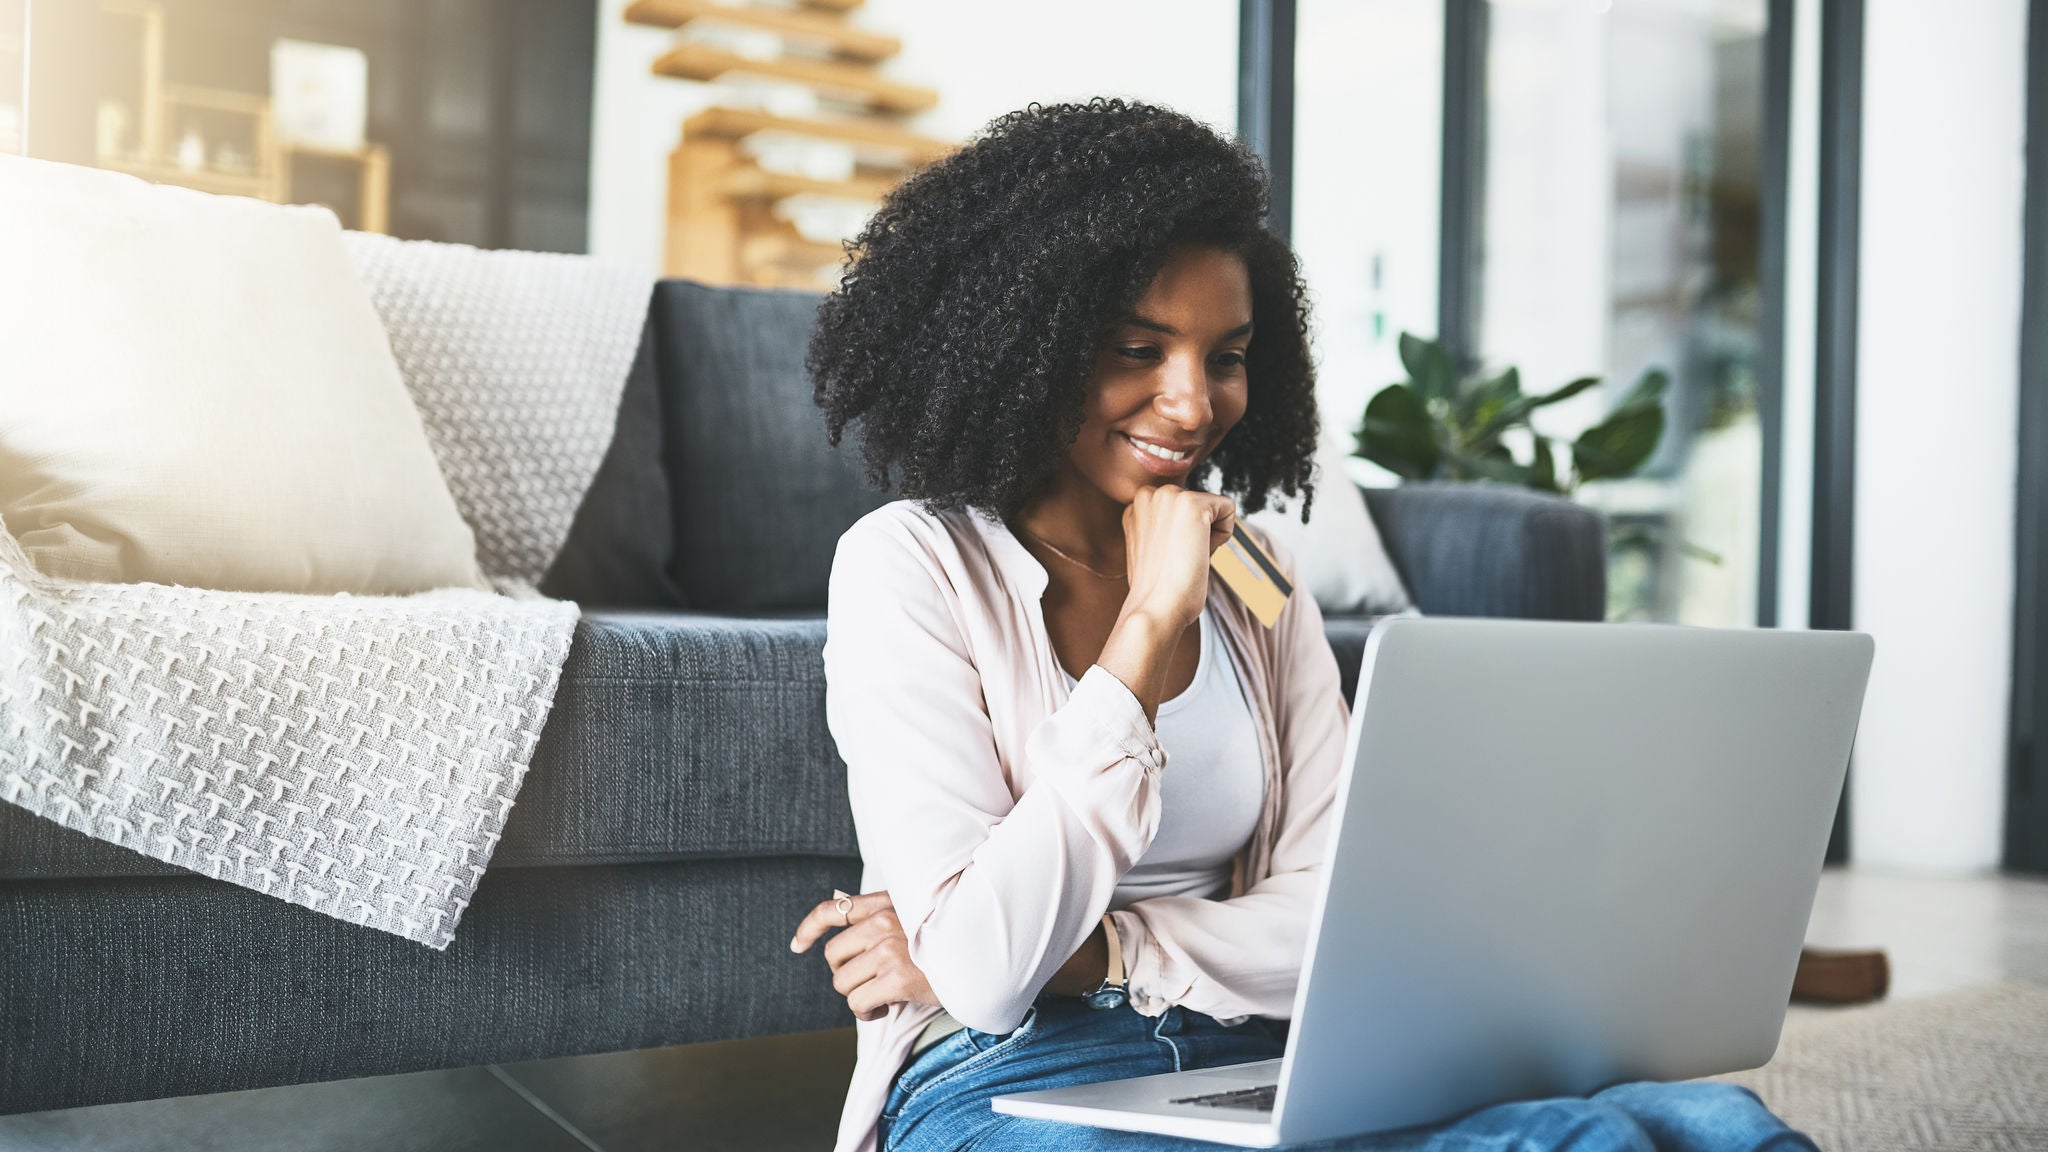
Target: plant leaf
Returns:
[1618, 445]
[1565, 393]
[1431, 371]
[1699, 552]
[1493, 465]
[1397, 434]
[1517, 411]
[1484, 401]
[1411, 347]
[1648, 389]
[1543, 468]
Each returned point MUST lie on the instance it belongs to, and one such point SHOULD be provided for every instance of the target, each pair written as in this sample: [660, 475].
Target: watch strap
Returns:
[1115, 979]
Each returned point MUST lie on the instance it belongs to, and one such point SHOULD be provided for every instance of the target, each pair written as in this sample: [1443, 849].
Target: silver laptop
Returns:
[1564, 856]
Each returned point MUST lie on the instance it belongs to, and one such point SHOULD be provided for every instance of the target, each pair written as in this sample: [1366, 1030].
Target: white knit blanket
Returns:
[357, 755]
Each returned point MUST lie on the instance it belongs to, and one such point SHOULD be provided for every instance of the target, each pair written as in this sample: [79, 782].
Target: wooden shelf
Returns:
[373, 179]
[690, 61]
[727, 214]
[734, 123]
[841, 38]
[790, 252]
[756, 183]
[791, 262]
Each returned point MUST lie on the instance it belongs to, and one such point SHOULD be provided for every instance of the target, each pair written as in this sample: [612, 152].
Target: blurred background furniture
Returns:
[216, 139]
[806, 138]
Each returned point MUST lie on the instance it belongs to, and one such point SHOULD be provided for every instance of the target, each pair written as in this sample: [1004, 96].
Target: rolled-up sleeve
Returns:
[994, 892]
[1242, 956]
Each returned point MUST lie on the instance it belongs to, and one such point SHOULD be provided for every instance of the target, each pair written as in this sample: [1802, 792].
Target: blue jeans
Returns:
[940, 1102]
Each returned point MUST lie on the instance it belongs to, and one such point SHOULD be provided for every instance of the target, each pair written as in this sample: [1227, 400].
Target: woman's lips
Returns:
[1157, 465]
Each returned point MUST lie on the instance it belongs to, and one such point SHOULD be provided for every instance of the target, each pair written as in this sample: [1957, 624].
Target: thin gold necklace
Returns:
[1057, 551]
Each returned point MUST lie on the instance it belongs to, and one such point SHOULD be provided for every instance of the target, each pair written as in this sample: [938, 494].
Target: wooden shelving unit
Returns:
[723, 224]
[835, 35]
[269, 172]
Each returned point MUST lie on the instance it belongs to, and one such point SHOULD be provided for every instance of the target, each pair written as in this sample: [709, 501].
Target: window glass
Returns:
[1368, 78]
[1621, 231]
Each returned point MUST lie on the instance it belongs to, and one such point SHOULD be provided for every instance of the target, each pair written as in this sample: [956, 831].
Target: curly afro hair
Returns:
[963, 334]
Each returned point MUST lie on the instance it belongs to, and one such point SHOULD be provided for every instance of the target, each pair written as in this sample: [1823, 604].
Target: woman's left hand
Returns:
[870, 957]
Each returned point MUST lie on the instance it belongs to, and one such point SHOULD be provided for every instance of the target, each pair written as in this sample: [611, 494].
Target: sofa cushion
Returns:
[680, 736]
[197, 390]
[760, 497]
[1347, 635]
[621, 547]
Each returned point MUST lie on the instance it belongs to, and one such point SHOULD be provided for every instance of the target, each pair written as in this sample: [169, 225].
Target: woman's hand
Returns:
[870, 957]
[1169, 533]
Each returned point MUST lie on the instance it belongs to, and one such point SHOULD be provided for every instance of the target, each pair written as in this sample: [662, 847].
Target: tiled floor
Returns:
[784, 1092]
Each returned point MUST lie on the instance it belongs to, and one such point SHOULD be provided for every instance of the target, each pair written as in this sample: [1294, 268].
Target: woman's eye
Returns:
[1138, 352]
[1230, 360]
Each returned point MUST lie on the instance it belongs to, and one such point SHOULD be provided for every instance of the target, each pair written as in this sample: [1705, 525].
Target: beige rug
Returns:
[1966, 1071]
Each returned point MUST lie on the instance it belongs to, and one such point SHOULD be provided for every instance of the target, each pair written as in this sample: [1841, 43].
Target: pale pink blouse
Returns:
[999, 808]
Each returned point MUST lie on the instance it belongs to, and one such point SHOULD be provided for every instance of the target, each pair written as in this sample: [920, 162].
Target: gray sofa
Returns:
[685, 804]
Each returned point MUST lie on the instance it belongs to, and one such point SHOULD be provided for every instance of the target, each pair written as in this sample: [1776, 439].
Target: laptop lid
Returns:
[1565, 856]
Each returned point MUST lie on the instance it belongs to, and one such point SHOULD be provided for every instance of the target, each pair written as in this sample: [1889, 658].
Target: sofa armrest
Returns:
[1493, 550]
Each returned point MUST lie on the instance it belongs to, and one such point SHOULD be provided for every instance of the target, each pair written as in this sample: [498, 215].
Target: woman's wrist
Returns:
[1138, 651]
[1084, 970]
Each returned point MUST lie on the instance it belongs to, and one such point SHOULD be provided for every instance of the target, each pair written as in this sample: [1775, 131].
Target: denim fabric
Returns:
[1492, 550]
[760, 496]
[131, 989]
[940, 1102]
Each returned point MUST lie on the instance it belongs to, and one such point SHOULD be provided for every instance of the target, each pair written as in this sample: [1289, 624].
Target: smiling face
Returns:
[1169, 380]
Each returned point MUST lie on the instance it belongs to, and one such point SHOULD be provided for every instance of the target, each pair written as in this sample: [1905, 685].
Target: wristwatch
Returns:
[1111, 993]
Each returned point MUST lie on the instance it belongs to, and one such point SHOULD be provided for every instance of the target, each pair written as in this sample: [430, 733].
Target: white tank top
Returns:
[1213, 787]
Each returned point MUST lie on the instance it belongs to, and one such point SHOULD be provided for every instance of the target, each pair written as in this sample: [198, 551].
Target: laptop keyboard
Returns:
[1255, 1099]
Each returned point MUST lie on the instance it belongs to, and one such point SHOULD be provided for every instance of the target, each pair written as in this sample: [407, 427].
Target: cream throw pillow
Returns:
[1338, 554]
[195, 390]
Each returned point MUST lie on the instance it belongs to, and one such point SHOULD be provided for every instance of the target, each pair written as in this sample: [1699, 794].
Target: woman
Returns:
[1070, 754]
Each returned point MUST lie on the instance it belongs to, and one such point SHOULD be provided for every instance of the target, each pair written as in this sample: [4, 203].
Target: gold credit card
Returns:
[1252, 575]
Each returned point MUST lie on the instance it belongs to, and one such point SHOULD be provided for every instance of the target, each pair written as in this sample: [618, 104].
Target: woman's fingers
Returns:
[825, 916]
[1169, 534]
[887, 977]
[873, 980]
[1223, 520]
[858, 970]
[861, 937]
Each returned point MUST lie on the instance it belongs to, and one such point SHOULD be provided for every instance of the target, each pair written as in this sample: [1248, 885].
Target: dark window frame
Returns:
[1462, 189]
[1265, 99]
[1834, 412]
[2026, 808]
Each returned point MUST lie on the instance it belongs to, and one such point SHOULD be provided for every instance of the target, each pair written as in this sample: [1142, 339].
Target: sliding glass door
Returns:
[1620, 225]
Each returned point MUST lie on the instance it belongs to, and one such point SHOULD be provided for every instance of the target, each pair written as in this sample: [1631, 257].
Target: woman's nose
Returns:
[1184, 394]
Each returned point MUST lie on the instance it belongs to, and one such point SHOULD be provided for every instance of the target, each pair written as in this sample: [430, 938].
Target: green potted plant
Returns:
[1440, 424]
